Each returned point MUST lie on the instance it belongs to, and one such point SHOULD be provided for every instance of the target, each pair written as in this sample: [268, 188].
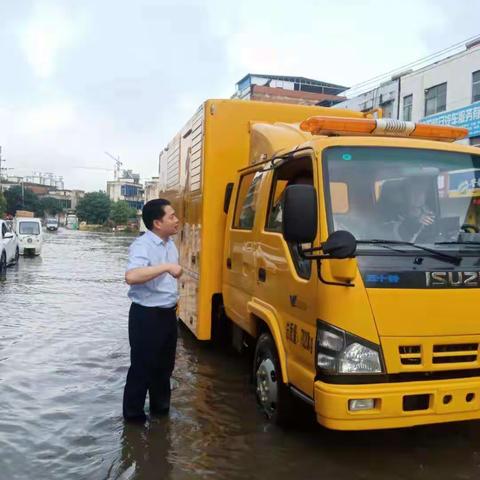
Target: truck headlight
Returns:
[357, 358]
[339, 352]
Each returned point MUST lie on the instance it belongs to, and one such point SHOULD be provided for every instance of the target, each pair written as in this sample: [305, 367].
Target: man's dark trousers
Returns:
[152, 334]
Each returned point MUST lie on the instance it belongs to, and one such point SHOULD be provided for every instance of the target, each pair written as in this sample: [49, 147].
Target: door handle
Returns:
[229, 263]
[262, 274]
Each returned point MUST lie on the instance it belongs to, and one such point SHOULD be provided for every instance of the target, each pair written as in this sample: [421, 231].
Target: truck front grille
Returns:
[457, 353]
[410, 354]
[450, 353]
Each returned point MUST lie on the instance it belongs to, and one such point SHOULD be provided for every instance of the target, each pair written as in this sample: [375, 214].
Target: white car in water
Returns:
[9, 249]
[30, 236]
[51, 224]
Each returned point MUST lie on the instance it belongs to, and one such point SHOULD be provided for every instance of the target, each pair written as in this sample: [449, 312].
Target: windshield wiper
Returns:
[441, 255]
[457, 243]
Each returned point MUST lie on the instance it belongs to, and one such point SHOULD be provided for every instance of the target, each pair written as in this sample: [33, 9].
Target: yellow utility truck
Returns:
[344, 248]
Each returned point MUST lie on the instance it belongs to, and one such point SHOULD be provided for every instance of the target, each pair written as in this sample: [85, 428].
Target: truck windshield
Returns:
[402, 194]
[29, 228]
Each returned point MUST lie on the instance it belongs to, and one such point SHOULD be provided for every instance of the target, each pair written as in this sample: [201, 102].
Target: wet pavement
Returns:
[63, 360]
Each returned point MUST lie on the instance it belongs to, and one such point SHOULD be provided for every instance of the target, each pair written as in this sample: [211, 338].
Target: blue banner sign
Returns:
[466, 117]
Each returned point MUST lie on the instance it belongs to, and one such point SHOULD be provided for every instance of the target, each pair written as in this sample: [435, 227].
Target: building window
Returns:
[476, 86]
[387, 108]
[407, 108]
[436, 99]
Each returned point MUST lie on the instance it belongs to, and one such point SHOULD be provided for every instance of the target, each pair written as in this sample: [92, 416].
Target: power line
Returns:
[361, 87]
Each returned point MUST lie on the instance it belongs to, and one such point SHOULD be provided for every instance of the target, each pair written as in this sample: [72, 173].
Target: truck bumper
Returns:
[396, 405]
[26, 251]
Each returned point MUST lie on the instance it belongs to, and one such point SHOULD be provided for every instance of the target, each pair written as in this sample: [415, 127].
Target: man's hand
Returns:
[175, 270]
[427, 219]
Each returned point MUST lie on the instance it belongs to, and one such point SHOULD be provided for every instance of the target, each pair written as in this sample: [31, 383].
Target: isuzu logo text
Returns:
[452, 279]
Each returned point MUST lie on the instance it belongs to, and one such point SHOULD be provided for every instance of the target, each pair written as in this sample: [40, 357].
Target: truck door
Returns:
[240, 272]
[287, 282]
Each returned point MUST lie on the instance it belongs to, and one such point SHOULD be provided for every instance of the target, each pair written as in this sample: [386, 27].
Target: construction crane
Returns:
[118, 164]
[116, 168]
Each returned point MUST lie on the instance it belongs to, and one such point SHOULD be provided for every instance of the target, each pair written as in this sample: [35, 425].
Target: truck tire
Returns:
[273, 396]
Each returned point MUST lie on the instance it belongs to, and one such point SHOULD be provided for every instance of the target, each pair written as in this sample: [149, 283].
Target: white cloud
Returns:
[46, 35]
[37, 121]
[88, 76]
[342, 42]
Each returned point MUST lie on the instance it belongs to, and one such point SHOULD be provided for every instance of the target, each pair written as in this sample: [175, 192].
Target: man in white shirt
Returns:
[152, 274]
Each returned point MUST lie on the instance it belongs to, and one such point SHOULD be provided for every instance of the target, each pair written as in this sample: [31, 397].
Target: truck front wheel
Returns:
[273, 395]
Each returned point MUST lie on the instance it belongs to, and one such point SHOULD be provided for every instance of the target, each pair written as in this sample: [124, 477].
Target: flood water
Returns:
[63, 361]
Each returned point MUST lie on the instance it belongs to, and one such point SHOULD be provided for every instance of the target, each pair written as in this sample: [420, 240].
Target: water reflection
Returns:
[146, 450]
[63, 360]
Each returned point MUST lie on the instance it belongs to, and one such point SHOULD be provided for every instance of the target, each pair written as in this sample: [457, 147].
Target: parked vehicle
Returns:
[30, 236]
[51, 224]
[307, 241]
[9, 249]
[71, 222]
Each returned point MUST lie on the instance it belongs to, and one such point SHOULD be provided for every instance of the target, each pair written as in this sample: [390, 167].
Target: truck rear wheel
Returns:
[273, 395]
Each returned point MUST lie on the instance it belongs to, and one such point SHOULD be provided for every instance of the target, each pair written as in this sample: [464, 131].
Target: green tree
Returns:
[121, 212]
[94, 208]
[3, 205]
[18, 201]
[50, 205]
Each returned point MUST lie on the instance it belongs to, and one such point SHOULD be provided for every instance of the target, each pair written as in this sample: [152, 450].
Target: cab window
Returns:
[294, 172]
[246, 205]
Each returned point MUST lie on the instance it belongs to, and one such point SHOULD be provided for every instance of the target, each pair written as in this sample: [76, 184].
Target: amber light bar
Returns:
[383, 127]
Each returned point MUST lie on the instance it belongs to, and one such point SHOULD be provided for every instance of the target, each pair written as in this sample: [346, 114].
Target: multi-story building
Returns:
[47, 179]
[152, 189]
[287, 89]
[68, 198]
[385, 96]
[127, 188]
[445, 92]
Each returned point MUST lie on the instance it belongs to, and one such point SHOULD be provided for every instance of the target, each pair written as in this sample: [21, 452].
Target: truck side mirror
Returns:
[299, 206]
[340, 244]
[8, 235]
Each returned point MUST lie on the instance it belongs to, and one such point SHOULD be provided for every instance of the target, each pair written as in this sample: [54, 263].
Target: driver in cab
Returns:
[404, 208]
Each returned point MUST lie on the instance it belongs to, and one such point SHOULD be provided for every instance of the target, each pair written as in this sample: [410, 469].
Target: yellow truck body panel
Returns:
[416, 310]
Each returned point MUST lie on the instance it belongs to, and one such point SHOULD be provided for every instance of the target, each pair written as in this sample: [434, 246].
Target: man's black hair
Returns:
[154, 210]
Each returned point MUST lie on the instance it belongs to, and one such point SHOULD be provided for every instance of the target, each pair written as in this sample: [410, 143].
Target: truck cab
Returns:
[352, 260]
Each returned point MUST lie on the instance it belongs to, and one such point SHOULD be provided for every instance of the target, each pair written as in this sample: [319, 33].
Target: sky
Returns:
[81, 78]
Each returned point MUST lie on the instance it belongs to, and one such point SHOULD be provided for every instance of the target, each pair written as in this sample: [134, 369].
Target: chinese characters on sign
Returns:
[466, 117]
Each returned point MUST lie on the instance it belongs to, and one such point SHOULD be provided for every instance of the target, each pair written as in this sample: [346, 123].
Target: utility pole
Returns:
[1, 169]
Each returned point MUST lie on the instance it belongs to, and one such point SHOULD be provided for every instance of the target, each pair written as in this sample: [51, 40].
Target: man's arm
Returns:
[140, 275]
[139, 269]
